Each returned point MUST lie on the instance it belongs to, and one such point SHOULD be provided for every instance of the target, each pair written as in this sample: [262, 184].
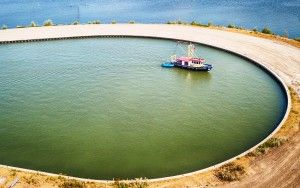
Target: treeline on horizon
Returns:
[264, 30]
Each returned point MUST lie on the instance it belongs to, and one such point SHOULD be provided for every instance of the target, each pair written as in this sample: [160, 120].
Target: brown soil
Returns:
[281, 166]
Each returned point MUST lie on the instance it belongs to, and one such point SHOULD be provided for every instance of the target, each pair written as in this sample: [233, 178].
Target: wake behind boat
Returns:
[188, 62]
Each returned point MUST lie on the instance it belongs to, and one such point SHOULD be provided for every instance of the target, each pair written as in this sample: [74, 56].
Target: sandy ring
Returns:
[18, 35]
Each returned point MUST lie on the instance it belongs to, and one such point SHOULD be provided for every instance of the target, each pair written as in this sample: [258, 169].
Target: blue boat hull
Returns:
[167, 65]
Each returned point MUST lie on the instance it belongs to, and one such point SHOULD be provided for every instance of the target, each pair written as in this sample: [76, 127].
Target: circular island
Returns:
[110, 95]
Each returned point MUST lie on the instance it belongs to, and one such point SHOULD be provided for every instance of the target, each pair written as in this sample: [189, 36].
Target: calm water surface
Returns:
[104, 108]
[283, 17]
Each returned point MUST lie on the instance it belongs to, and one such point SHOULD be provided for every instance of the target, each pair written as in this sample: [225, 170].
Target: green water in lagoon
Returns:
[104, 108]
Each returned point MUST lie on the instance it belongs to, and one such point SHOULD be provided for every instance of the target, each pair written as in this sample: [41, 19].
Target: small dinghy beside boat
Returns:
[168, 65]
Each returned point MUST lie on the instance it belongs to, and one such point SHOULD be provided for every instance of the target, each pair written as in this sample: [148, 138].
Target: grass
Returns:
[137, 183]
[94, 22]
[69, 183]
[72, 184]
[179, 22]
[271, 143]
[263, 148]
[120, 184]
[50, 179]
[194, 23]
[231, 26]
[31, 180]
[230, 172]
[13, 172]
[234, 26]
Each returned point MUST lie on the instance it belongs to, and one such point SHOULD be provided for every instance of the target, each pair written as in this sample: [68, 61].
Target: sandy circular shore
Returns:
[282, 60]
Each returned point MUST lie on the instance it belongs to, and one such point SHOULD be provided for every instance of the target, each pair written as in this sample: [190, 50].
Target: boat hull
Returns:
[205, 67]
[168, 65]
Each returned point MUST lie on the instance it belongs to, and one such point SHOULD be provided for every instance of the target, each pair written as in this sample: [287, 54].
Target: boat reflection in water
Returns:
[192, 77]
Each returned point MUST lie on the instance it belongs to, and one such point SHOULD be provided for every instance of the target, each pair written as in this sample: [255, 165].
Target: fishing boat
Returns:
[188, 62]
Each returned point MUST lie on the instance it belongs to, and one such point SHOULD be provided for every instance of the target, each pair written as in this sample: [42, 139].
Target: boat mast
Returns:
[191, 50]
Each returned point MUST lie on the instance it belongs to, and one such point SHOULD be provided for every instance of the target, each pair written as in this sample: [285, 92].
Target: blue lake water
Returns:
[283, 17]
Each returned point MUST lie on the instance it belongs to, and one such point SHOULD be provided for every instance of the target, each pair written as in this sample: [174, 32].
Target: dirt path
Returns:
[281, 166]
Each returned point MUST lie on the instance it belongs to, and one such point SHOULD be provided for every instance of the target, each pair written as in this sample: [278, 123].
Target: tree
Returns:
[266, 30]
[231, 26]
[76, 22]
[4, 27]
[33, 24]
[48, 23]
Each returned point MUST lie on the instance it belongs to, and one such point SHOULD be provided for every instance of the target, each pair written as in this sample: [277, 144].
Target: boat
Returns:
[168, 65]
[189, 62]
